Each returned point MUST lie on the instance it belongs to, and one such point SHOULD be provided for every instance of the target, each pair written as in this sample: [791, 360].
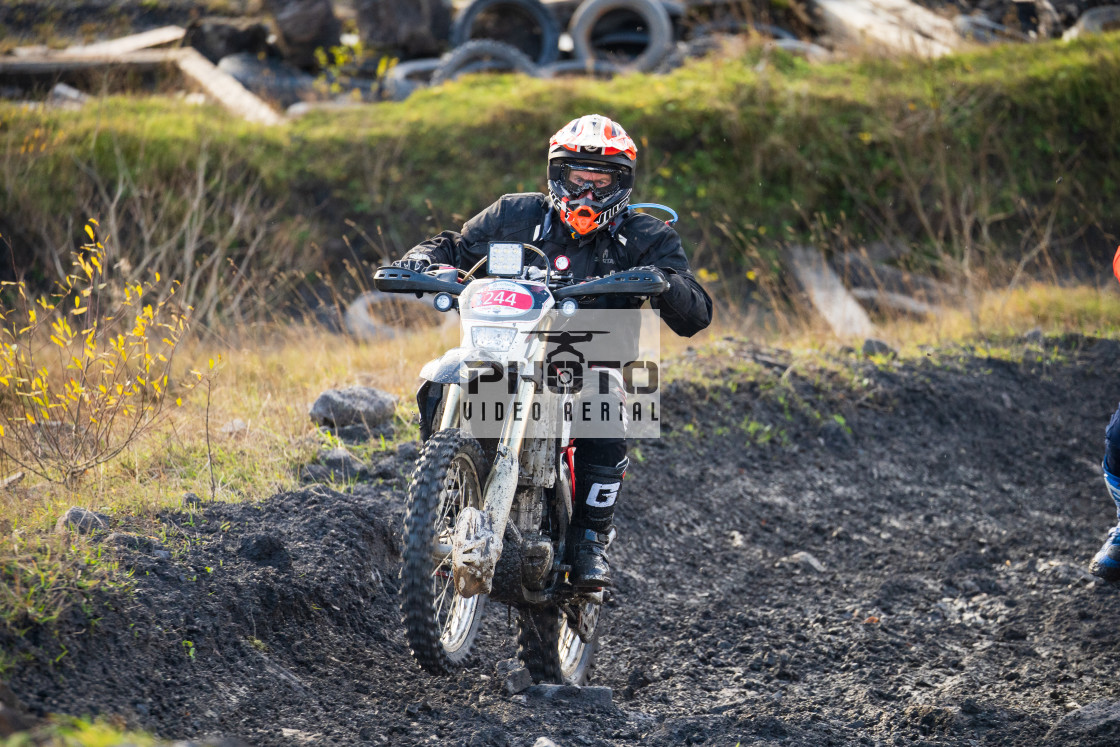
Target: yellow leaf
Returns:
[178, 402]
[94, 222]
[89, 231]
[211, 364]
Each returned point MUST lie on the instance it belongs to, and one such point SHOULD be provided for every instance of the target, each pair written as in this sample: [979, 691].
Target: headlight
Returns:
[506, 258]
[493, 338]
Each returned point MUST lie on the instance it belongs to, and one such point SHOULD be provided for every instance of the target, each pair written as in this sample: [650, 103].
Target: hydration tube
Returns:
[656, 206]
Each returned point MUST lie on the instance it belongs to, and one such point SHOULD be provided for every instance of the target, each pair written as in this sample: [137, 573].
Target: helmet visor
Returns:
[602, 181]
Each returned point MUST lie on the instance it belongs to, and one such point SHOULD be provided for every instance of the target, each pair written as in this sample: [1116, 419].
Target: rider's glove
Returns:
[661, 274]
[414, 262]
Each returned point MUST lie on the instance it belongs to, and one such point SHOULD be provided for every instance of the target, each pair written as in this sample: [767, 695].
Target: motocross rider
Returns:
[585, 217]
[1106, 563]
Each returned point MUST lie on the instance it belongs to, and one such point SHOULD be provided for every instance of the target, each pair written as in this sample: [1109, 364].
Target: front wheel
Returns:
[551, 649]
[441, 625]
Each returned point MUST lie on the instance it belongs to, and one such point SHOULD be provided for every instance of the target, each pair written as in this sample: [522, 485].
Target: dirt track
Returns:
[953, 525]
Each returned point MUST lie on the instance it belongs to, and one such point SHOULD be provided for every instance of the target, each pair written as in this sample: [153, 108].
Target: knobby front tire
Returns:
[441, 626]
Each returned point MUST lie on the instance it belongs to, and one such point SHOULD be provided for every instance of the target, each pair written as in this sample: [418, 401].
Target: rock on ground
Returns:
[1097, 724]
[356, 405]
[411, 28]
[81, 520]
[302, 26]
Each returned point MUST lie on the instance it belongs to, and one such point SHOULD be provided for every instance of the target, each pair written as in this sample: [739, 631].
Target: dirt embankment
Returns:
[945, 601]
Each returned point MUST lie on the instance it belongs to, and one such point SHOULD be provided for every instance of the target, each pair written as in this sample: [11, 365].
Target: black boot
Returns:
[597, 489]
[590, 565]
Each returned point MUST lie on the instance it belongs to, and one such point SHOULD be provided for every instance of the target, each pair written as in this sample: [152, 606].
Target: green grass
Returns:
[749, 153]
[964, 158]
[66, 731]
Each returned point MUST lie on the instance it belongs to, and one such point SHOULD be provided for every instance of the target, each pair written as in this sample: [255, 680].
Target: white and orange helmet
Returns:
[591, 164]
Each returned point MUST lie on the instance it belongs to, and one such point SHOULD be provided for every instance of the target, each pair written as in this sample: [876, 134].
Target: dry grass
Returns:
[270, 383]
[993, 314]
[268, 386]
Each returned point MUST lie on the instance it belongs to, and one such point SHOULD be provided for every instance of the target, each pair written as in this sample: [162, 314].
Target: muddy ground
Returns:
[952, 526]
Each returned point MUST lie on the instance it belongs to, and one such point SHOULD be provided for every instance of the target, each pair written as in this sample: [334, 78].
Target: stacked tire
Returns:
[608, 37]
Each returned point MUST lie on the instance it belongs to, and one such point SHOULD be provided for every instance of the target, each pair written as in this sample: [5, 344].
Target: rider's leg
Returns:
[600, 467]
[1106, 563]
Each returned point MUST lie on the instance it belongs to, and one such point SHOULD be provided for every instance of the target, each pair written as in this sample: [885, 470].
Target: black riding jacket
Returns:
[632, 240]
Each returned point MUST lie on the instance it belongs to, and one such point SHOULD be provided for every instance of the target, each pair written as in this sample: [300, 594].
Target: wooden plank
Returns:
[223, 87]
[829, 296]
[58, 64]
[897, 301]
[897, 26]
[127, 44]
[218, 84]
[35, 50]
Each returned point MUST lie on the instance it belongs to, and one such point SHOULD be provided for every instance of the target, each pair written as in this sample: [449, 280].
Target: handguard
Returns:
[400, 280]
[626, 283]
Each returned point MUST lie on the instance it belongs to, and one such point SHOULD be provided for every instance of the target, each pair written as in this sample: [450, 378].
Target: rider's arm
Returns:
[511, 218]
[438, 250]
[685, 307]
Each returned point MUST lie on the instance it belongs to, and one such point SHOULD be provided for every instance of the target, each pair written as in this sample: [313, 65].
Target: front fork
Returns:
[477, 539]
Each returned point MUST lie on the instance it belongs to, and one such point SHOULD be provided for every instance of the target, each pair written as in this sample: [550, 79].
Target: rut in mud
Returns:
[946, 508]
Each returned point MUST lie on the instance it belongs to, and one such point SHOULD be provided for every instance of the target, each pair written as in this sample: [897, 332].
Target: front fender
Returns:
[452, 368]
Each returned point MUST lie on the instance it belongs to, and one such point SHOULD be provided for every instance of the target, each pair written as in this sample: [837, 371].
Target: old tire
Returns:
[493, 55]
[269, 78]
[551, 650]
[524, 24]
[1094, 21]
[650, 16]
[566, 68]
[440, 625]
[405, 78]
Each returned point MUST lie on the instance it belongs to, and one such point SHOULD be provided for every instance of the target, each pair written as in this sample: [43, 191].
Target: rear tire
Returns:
[551, 649]
[441, 626]
[481, 55]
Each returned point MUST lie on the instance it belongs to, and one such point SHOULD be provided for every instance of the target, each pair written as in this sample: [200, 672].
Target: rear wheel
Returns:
[441, 625]
[551, 649]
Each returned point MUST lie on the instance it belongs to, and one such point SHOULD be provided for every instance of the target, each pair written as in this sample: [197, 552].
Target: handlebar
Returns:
[625, 283]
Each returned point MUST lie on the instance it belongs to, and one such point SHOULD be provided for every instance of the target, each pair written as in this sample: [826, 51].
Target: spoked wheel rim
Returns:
[455, 614]
[570, 646]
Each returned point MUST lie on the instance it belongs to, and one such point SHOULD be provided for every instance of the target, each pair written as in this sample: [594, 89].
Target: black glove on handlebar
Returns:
[416, 265]
[651, 269]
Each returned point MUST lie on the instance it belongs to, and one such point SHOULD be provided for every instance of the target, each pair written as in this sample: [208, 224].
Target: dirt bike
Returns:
[488, 518]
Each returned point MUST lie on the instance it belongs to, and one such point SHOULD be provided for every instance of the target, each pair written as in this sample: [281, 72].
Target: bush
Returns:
[84, 370]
